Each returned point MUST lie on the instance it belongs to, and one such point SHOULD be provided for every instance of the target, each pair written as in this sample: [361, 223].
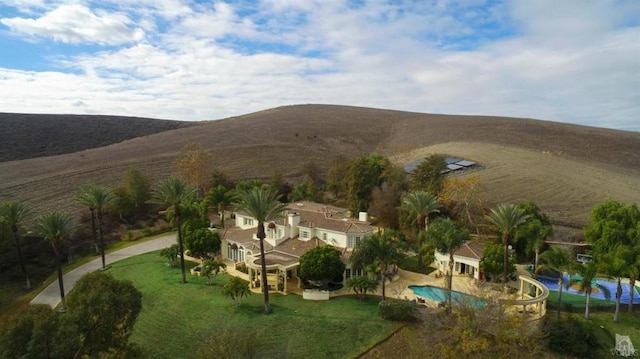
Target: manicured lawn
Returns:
[579, 301]
[176, 317]
[606, 330]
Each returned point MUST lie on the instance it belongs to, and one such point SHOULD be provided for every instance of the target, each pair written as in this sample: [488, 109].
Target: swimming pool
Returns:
[552, 284]
[440, 295]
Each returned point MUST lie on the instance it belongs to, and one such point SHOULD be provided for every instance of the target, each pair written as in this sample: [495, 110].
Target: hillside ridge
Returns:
[285, 138]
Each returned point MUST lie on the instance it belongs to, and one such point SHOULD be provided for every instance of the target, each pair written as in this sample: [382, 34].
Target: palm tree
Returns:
[262, 204]
[421, 204]
[615, 264]
[556, 261]
[633, 271]
[97, 198]
[14, 214]
[219, 197]
[506, 218]
[379, 251]
[174, 192]
[55, 227]
[588, 272]
[448, 237]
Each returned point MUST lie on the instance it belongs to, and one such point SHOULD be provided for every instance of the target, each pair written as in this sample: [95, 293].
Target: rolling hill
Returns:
[566, 169]
[34, 135]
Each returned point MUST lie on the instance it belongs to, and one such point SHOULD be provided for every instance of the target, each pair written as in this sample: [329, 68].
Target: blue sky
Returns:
[574, 61]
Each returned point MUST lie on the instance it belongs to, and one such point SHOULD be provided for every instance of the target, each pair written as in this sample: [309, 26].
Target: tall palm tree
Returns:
[633, 271]
[263, 205]
[556, 261]
[506, 218]
[378, 251]
[13, 214]
[55, 227]
[219, 197]
[448, 237]
[615, 264]
[421, 204]
[588, 272]
[174, 192]
[97, 198]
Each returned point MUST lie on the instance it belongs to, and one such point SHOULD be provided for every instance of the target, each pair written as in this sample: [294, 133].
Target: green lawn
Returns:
[176, 317]
[606, 330]
[579, 301]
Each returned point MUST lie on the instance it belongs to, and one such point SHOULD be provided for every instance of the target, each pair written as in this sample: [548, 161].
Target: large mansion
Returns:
[303, 225]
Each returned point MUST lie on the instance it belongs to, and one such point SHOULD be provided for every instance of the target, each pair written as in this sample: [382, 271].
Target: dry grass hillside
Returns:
[567, 169]
[36, 135]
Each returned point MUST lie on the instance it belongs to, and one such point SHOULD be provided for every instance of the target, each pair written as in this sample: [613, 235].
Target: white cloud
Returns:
[573, 64]
[76, 23]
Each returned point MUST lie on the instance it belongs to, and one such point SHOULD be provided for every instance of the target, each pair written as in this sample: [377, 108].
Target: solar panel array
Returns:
[453, 165]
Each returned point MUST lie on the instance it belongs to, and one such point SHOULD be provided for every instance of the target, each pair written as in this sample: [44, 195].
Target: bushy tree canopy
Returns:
[321, 264]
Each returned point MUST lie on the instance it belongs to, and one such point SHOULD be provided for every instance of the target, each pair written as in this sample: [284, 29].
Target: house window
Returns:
[348, 273]
[280, 234]
[324, 237]
[248, 221]
[357, 240]
[350, 242]
[304, 234]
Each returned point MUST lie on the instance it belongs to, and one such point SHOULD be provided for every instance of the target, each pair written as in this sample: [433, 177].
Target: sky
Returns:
[573, 61]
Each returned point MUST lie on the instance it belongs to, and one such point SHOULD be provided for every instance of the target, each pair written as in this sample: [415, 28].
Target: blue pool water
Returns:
[440, 295]
[552, 284]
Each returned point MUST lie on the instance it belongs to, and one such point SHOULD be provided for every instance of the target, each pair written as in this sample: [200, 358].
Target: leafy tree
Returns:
[138, 188]
[420, 205]
[212, 267]
[97, 198]
[277, 183]
[37, 332]
[385, 201]
[55, 227]
[302, 191]
[201, 242]
[614, 225]
[236, 289]
[321, 264]
[195, 165]
[171, 253]
[14, 214]
[463, 197]
[220, 178]
[262, 204]
[132, 196]
[336, 175]
[363, 175]
[447, 237]
[379, 252]
[362, 285]
[531, 235]
[506, 218]
[428, 176]
[493, 260]
[173, 192]
[557, 261]
[572, 337]
[104, 310]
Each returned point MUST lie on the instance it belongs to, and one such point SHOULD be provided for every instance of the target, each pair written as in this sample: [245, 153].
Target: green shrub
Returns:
[397, 310]
[572, 336]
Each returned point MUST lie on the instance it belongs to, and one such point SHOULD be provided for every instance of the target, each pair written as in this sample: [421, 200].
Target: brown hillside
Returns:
[565, 168]
[36, 135]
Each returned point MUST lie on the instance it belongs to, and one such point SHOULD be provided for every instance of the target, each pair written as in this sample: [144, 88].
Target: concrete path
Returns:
[51, 294]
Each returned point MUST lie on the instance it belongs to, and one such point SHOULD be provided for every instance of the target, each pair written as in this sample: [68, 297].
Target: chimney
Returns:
[293, 220]
[363, 217]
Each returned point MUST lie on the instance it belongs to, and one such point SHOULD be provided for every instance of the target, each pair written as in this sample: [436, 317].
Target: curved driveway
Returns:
[51, 294]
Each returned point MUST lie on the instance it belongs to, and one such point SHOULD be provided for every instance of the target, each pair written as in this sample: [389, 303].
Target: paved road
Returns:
[51, 294]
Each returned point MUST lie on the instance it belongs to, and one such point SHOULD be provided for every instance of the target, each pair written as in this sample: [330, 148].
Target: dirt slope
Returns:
[36, 135]
[566, 168]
